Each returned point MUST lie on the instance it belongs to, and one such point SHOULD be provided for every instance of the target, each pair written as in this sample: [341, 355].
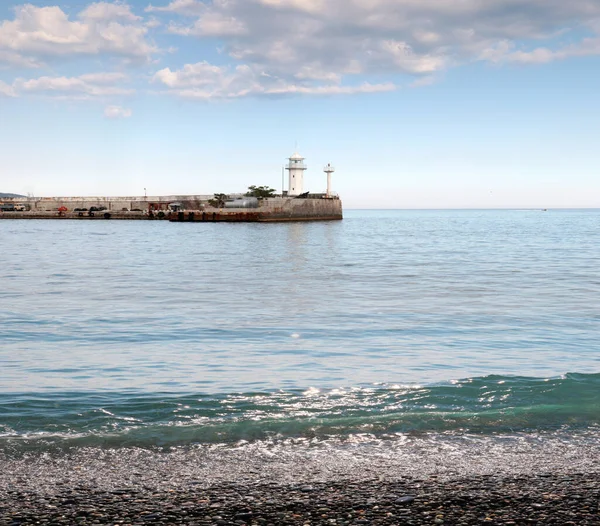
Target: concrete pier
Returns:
[111, 204]
[316, 207]
[103, 215]
[273, 209]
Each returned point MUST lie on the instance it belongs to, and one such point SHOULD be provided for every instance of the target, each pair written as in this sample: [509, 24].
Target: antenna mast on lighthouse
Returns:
[329, 170]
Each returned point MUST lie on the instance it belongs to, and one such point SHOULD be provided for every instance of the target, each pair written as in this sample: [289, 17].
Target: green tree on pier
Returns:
[260, 191]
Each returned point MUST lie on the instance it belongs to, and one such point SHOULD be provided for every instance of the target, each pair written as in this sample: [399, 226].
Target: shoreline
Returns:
[522, 479]
[521, 499]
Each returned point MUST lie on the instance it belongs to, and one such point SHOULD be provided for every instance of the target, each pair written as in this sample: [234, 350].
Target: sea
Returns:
[394, 341]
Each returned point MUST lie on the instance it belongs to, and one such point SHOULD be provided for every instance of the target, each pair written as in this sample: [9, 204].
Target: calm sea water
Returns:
[387, 323]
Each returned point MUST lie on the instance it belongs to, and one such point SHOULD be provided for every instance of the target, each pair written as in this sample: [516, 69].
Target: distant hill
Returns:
[11, 195]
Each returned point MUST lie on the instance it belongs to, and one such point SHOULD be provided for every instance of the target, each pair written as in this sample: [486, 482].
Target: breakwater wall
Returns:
[111, 204]
[274, 209]
[103, 215]
[177, 209]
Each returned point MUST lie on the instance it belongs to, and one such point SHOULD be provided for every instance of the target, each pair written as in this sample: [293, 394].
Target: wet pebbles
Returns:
[561, 499]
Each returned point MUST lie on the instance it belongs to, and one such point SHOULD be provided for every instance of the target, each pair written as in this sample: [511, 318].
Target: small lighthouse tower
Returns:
[329, 170]
[296, 168]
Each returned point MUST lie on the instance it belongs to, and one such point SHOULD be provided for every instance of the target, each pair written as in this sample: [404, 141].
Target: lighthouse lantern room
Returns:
[296, 169]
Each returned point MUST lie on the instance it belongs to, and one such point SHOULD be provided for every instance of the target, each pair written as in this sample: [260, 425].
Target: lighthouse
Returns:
[329, 170]
[296, 169]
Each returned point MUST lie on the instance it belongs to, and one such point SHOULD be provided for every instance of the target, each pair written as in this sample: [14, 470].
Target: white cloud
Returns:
[84, 87]
[211, 24]
[103, 78]
[182, 7]
[199, 74]
[117, 112]
[205, 81]
[10, 58]
[39, 33]
[331, 90]
[507, 52]
[308, 6]
[7, 90]
[108, 11]
[537, 56]
[153, 23]
[405, 59]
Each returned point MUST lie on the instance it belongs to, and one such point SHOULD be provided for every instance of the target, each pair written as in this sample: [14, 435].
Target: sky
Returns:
[417, 103]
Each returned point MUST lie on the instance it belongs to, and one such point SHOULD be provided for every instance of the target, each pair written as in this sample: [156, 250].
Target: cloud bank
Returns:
[319, 46]
[286, 47]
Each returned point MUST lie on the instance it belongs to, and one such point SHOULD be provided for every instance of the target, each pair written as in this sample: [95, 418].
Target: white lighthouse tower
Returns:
[296, 168]
[329, 170]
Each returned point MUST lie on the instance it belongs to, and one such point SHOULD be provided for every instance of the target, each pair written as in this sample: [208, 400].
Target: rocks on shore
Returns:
[533, 499]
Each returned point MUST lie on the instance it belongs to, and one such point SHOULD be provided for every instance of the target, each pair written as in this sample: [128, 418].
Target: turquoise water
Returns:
[385, 324]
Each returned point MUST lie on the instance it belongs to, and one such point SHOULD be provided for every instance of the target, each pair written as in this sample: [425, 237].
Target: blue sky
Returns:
[418, 103]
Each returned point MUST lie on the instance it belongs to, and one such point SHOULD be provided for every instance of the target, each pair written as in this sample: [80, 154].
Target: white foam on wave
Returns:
[294, 461]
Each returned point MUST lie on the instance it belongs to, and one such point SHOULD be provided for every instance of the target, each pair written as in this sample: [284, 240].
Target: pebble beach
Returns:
[448, 480]
[539, 499]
